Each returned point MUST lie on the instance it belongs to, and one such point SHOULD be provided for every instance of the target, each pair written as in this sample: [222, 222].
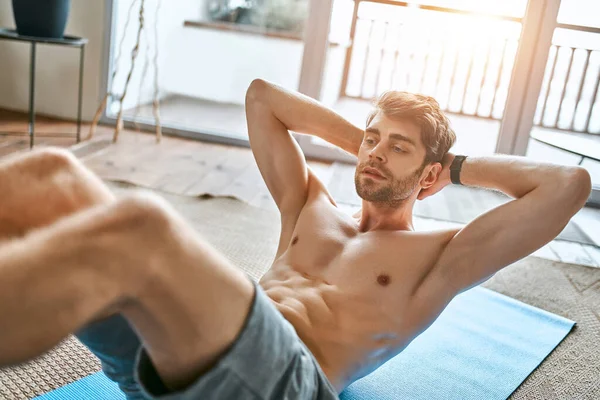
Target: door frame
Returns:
[525, 85]
[316, 45]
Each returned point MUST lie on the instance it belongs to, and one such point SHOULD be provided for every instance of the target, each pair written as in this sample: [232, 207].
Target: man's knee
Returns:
[82, 185]
[50, 160]
[50, 175]
[146, 211]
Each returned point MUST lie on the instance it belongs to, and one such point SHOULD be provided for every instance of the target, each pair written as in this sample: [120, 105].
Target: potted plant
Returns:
[281, 15]
[41, 18]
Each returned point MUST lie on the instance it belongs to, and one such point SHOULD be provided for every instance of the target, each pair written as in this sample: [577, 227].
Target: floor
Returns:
[14, 126]
[192, 113]
[191, 167]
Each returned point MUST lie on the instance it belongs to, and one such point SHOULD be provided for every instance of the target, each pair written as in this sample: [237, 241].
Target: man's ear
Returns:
[432, 175]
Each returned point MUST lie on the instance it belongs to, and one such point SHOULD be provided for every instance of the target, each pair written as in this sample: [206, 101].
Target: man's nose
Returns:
[377, 153]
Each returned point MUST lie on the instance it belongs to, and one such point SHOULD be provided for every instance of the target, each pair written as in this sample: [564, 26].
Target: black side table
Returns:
[71, 41]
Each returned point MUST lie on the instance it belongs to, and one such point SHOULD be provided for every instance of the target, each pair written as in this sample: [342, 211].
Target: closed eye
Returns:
[398, 150]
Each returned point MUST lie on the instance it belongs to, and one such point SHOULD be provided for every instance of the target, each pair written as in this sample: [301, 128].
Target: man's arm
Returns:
[547, 196]
[272, 112]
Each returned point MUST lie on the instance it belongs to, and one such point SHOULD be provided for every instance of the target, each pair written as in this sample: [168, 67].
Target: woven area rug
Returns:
[248, 237]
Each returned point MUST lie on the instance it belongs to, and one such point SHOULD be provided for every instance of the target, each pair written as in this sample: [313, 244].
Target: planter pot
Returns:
[41, 18]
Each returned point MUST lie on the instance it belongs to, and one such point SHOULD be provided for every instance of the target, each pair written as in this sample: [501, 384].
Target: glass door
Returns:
[461, 52]
[198, 57]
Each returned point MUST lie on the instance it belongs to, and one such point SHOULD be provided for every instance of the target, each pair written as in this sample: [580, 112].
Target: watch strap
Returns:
[455, 169]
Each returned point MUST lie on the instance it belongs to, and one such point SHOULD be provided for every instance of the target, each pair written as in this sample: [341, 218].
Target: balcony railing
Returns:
[465, 60]
[569, 94]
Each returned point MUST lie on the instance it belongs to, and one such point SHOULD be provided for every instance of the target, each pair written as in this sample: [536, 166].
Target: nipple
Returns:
[383, 279]
[295, 240]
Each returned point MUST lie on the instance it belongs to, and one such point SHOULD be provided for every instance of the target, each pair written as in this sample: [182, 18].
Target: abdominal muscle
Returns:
[348, 334]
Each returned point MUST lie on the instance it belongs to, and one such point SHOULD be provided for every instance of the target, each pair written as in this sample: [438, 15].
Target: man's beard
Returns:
[390, 193]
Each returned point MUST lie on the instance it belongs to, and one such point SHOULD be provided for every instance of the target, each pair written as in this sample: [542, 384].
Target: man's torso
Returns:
[349, 294]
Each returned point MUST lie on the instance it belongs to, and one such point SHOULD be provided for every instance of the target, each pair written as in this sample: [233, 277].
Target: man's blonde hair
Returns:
[436, 133]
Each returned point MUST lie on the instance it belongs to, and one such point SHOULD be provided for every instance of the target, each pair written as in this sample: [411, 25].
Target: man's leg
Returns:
[42, 186]
[39, 187]
[185, 300]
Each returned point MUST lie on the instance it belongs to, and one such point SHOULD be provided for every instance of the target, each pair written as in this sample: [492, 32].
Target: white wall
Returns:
[57, 66]
[219, 65]
[208, 64]
[169, 25]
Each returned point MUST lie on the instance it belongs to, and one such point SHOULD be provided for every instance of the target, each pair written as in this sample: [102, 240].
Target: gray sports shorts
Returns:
[267, 361]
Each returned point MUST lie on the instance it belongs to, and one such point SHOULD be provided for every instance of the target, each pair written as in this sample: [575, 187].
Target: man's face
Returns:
[390, 161]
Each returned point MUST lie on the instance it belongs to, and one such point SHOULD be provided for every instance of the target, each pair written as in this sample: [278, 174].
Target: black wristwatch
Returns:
[455, 169]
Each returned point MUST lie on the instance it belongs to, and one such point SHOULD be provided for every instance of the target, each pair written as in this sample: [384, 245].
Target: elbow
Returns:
[579, 186]
[257, 91]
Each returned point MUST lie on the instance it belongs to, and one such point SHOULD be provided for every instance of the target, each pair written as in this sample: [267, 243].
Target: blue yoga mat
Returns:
[482, 346]
[92, 387]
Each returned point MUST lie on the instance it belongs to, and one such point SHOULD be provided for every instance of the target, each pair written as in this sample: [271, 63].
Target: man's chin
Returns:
[370, 189]
[367, 195]
[372, 181]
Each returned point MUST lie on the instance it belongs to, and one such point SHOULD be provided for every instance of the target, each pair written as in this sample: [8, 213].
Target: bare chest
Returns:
[381, 265]
[348, 293]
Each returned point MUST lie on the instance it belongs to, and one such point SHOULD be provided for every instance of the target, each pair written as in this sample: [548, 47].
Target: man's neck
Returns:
[374, 216]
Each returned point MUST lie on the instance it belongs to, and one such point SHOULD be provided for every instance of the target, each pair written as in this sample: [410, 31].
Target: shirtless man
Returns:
[344, 294]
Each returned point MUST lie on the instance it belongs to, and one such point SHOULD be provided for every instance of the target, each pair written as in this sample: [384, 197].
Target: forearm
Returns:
[516, 176]
[301, 114]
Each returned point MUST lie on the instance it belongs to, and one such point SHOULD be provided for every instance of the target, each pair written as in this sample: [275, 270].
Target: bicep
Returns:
[278, 156]
[504, 235]
[281, 162]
